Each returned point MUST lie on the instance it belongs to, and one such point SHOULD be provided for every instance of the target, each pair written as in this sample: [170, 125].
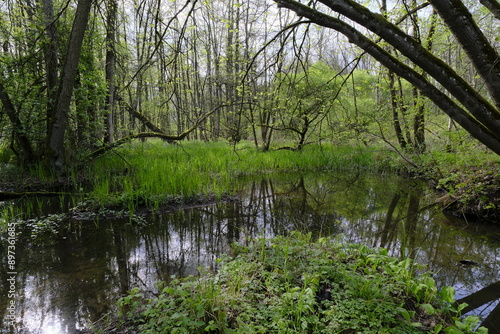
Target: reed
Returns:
[154, 172]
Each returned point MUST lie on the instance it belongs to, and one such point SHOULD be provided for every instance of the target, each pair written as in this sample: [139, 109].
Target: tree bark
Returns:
[112, 9]
[66, 84]
[482, 54]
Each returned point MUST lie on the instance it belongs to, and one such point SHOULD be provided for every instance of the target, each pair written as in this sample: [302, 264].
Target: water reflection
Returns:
[65, 283]
[488, 296]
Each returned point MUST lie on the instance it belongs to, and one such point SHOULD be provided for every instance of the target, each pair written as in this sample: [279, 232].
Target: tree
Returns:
[22, 69]
[112, 11]
[475, 111]
[306, 97]
[66, 84]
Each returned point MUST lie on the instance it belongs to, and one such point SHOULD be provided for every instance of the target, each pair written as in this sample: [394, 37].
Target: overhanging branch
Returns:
[480, 130]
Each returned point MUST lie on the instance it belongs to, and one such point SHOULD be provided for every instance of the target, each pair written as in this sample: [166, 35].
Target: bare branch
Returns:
[108, 147]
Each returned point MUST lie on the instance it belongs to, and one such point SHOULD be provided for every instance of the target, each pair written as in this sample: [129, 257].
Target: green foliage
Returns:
[304, 100]
[6, 154]
[354, 117]
[296, 285]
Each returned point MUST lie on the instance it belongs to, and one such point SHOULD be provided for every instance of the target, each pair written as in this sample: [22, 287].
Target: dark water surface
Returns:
[66, 282]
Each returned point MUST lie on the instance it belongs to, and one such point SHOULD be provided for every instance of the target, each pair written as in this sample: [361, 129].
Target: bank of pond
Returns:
[333, 252]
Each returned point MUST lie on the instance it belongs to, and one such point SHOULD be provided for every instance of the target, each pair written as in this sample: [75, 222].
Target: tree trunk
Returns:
[51, 60]
[66, 84]
[419, 123]
[395, 114]
[112, 9]
[419, 108]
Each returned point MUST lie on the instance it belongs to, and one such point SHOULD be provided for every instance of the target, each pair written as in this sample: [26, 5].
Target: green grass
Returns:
[155, 172]
[297, 285]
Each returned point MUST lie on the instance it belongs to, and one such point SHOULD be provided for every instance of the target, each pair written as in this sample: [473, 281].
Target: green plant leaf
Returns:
[429, 309]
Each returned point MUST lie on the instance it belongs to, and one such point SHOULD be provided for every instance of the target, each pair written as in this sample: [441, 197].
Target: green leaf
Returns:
[448, 294]
[453, 330]
[429, 309]
[438, 328]
[461, 307]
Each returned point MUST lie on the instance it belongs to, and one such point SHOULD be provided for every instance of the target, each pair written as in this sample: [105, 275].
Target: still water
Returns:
[72, 278]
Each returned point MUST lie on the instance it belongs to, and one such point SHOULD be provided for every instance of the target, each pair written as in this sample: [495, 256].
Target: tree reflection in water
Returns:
[73, 279]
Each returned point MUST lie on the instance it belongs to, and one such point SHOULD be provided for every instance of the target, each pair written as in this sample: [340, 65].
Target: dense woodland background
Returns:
[81, 75]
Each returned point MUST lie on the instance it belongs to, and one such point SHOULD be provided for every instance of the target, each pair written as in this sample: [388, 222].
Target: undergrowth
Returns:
[297, 285]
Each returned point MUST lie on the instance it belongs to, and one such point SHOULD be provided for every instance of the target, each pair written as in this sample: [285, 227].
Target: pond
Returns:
[64, 281]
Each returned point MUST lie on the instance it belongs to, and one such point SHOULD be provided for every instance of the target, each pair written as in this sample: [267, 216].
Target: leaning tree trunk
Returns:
[482, 54]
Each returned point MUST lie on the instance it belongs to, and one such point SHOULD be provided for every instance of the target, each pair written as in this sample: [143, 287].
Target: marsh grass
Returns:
[154, 172]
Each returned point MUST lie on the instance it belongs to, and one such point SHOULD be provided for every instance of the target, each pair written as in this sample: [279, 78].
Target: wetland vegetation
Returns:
[141, 181]
[296, 284]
